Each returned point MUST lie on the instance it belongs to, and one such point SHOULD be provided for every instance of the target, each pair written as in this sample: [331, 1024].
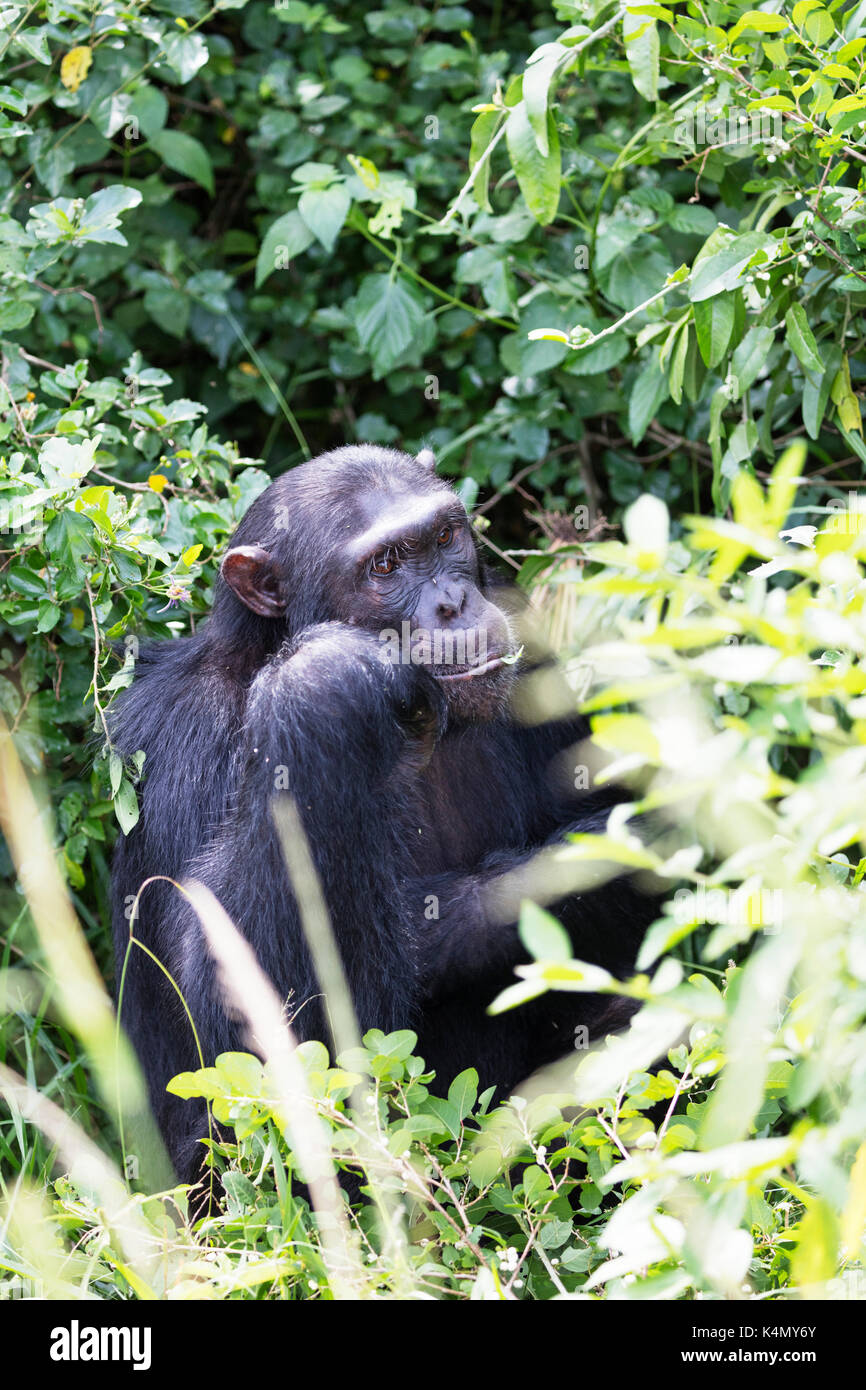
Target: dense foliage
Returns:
[587, 253]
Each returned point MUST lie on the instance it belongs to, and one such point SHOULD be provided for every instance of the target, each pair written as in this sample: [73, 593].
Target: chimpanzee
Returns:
[417, 787]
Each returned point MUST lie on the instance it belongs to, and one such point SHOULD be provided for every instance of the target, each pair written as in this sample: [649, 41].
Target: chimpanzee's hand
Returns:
[348, 672]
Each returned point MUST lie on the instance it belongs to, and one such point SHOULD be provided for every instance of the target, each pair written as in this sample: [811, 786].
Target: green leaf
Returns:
[691, 218]
[544, 937]
[13, 100]
[49, 615]
[816, 1257]
[284, 239]
[325, 210]
[642, 51]
[387, 314]
[725, 269]
[801, 339]
[35, 43]
[714, 323]
[98, 219]
[185, 155]
[445, 1112]
[149, 107]
[820, 26]
[636, 274]
[759, 20]
[484, 128]
[169, 307]
[538, 175]
[678, 364]
[463, 1092]
[520, 993]
[186, 53]
[486, 1165]
[538, 89]
[649, 391]
[115, 772]
[600, 357]
[816, 392]
[750, 356]
[126, 806]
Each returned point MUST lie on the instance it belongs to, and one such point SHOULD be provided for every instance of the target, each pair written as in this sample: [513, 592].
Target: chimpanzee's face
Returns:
[373, 539]
[410, 574]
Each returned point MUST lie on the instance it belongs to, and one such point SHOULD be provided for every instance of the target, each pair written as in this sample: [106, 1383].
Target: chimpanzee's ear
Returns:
[256, 578]
[427, 459]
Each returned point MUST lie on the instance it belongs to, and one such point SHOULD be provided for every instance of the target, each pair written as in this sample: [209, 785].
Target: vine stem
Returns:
[96, 648]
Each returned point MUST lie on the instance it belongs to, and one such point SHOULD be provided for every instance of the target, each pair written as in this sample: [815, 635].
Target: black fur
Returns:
[410, 789]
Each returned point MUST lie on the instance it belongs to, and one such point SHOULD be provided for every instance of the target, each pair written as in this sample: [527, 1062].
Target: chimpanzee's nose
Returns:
[450, 601]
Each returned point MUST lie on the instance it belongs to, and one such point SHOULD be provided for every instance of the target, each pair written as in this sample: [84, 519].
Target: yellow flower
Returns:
[157, 481]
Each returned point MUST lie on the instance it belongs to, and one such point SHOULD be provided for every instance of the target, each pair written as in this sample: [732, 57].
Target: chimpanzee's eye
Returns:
[382, 564]
[445, 535]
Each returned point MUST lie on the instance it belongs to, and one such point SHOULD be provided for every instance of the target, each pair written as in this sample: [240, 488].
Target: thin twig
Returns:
[96, 649]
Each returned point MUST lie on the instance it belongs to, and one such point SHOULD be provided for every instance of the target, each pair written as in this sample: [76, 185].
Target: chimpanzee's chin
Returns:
[482, 697]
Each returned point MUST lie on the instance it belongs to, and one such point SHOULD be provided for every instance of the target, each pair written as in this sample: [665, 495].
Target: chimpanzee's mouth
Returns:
[480, 668]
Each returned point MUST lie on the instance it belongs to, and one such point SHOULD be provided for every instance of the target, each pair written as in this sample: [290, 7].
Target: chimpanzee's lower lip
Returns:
[469, 672]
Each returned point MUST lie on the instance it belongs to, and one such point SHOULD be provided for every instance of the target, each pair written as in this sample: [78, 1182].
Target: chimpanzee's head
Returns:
[371, 537]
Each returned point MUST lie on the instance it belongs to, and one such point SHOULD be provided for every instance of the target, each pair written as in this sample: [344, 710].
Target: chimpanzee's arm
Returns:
[467, 923]
[330, 725]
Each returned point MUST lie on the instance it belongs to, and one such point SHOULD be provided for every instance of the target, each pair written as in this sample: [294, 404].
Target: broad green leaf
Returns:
[691, 218]
[541, 934]
[185, 52]
[714, 322]
[649, 391]
[13, 100]
[642, 51]
[801, 339]
[636, 274]
[750, 356]
[517, 994]
[325, 210]
[486, 1165]
[820, 26]
[816, 392]
[34, 43]
[149, 106]
[388, 315]
[538, 89]
[538, 175]
[484, 128]
[816, 1257]
[726, 268]
[284, 239]
[126, 806]
[783, 484]
[185, 155]
[463, 1092]
[759, 20]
